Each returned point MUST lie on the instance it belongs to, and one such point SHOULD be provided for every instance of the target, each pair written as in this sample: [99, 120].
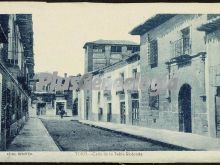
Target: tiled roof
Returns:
[210, 25]
[111, 42]
[151, 23]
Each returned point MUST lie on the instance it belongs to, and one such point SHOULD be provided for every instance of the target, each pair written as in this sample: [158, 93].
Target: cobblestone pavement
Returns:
[74, 136]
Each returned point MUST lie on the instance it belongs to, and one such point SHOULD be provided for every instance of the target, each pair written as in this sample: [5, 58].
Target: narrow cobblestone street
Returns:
[73, 136]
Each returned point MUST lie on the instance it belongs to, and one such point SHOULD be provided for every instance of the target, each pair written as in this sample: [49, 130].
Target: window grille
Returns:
[153, 53]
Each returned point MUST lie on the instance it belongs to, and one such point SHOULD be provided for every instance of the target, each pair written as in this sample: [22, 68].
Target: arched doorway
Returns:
[184, 100]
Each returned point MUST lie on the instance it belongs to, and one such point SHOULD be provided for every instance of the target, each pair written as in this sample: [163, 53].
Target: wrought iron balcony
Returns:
[120, 91]
[181, 48]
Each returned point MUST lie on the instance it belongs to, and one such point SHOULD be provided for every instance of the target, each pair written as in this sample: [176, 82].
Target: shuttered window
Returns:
[153, 53]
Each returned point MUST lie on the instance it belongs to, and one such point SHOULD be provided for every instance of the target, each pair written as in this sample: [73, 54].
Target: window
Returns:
[134, 73]
[133, 48]
[153, 53]
[218, 91]
[120, 86]
[57, 92]
[98, 48]
[122, 76]
[116, 49]
[129, 48]
[154, 102]
[182, 46]
[186, 40]
[136, 49]
[100, 113]
[13, 61]
[99, 95]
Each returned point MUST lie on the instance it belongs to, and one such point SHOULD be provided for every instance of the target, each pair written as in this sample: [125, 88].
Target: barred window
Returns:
[153, 53]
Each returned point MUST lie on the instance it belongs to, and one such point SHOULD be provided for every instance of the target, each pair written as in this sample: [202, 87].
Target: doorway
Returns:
[122, 113]
[135, 112]
[184, 100]
[41, 108]
[59, 107]
[87, 109]
[109, 113]
[135, 108]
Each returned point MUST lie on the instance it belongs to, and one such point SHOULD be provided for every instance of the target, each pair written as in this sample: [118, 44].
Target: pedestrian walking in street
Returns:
[62, 112]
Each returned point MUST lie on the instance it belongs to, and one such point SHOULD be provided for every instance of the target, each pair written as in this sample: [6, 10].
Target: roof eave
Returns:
[210, 26]
[150, 24]
[135, 31]
[88, 43]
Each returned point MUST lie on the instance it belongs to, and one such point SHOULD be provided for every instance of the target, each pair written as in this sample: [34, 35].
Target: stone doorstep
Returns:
[185, 140]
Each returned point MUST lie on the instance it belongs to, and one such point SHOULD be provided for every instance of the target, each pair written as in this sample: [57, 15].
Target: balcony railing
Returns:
[120, 91]
[181, 47]
[107, 92]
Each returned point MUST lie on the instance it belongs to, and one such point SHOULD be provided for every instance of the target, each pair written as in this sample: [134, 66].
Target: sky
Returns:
[61, 29]
[61, 32]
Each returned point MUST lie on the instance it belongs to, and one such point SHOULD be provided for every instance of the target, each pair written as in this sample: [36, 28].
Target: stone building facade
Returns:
[171, 45]
[16, 69]
[180, 47]
[212, 70]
